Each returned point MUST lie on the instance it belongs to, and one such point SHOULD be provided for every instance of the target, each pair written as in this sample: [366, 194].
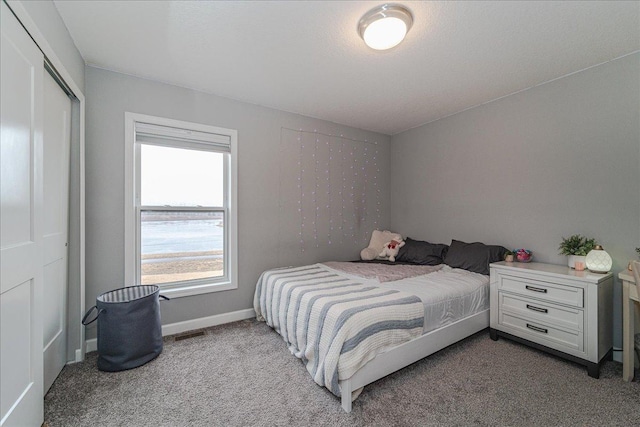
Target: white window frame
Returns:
[132, 207]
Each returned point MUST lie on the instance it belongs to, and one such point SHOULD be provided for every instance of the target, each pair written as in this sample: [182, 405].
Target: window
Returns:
[181, 206]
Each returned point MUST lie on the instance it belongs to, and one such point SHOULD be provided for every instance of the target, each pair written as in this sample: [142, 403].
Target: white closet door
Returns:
[57, 123]
[21, 244]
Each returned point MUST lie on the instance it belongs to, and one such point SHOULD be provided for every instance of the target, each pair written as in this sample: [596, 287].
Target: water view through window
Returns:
[181, 246]
[181, 214]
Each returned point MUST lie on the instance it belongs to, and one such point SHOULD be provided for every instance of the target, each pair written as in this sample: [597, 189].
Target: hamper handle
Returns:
[164, 298]
[86, 315]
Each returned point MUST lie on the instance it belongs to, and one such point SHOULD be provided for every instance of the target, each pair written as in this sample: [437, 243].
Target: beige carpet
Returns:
[242, 374]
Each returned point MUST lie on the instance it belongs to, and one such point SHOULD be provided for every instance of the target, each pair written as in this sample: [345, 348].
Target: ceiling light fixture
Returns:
[385, 26]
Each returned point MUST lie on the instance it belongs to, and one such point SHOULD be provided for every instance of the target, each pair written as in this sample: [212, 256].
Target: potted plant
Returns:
[576, 247]
[508, 256]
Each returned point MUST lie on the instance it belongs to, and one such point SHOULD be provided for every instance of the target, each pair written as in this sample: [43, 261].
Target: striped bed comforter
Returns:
[333, 322]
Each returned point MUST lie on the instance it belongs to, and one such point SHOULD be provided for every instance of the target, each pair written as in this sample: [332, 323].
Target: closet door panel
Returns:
[21, 244]
[57, 124]
[18, 136]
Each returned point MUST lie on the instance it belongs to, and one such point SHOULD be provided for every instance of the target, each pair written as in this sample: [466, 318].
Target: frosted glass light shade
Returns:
[385, 33]
[385, 26]
[598, 260]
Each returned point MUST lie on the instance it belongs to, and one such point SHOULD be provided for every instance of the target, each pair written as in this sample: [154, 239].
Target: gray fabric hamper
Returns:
[129, 328]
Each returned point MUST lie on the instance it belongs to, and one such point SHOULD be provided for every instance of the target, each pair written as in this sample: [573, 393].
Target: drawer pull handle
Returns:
[538, 309]
[534, 289]
[537, 328]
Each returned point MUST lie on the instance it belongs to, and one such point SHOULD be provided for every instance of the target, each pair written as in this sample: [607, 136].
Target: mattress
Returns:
[448, 294]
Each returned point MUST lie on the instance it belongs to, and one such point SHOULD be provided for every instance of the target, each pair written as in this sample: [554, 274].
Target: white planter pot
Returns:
[573, 258]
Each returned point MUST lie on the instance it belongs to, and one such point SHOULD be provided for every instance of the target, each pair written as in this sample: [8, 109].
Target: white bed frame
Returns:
[412, 351]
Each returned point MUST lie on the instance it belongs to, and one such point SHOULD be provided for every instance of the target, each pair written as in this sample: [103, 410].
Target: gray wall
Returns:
[555, 160]
[264, 239]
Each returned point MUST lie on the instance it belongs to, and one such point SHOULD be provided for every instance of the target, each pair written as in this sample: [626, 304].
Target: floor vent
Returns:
[189, 335]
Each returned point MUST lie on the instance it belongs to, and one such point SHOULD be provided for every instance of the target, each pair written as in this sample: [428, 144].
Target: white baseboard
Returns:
[190, 325]
[77, 357]
[205, 322]
[617, 355]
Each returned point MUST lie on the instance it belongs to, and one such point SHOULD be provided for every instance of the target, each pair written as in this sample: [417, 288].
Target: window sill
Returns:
[186, 291]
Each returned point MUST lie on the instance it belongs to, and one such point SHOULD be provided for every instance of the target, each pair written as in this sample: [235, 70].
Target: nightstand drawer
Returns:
[543, 312]
[552, 292]
[543, 333]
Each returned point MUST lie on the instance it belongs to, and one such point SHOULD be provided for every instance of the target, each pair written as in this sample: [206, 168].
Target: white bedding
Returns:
[336, 322]
[448, 295]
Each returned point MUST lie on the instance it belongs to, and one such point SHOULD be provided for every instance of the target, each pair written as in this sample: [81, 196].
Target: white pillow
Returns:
[376, 244]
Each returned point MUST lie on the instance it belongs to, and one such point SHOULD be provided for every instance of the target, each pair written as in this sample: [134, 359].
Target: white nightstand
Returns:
[554, 308]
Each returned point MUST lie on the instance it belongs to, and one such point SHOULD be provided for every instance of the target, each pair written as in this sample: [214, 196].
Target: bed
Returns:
[352, 324]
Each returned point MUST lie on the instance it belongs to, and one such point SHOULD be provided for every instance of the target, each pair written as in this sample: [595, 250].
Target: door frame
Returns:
[76, 305]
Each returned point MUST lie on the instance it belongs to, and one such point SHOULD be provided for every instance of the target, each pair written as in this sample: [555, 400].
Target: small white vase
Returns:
[571, 262]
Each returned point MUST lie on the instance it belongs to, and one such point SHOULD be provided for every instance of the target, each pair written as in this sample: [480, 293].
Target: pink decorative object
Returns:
[523, 255]
[579, 266]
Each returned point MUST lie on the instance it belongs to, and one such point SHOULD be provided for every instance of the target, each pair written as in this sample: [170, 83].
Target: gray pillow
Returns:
[474, 257]
[421, 252]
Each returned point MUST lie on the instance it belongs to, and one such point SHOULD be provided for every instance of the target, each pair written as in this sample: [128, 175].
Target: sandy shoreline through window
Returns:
[181, 266]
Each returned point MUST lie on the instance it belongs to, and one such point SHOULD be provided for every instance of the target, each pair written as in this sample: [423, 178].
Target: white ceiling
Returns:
[306, 56]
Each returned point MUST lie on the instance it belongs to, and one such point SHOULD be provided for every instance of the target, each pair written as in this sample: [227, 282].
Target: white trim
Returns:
[198, 289]
[190, 325]
[37, 36]
[91, 345]
[129, 200]
[130, 203]
[206, 322]
[617, 356]
[78, 356]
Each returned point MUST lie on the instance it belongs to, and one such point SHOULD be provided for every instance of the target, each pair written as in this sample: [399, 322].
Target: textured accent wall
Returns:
[329, 190]
[555, 160]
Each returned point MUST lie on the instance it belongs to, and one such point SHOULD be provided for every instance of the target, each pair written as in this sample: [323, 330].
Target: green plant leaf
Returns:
[576, 245]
